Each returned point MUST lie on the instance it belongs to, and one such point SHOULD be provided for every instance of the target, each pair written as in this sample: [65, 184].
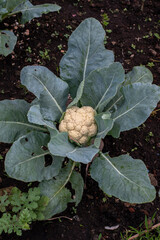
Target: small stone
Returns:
[153, 52]
[153, 180]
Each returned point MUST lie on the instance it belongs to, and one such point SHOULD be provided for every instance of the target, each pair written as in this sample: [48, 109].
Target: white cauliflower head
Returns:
[79, 123]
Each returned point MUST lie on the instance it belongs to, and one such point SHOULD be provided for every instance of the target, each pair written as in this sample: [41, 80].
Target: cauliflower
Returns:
[79, 123]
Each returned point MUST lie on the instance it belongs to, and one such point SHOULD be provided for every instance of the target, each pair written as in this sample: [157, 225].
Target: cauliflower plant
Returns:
[79, 123]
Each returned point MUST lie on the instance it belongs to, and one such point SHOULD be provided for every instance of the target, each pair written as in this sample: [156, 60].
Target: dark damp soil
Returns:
[131, 35]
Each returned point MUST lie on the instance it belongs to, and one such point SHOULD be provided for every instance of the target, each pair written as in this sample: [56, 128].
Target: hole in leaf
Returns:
[69, 186]
[26, 139]
[32, 154]
[6, 45]
[44, 148]
[48, 160]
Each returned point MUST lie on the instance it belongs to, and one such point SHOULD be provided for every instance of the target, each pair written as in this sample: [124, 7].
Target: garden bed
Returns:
[131, 34]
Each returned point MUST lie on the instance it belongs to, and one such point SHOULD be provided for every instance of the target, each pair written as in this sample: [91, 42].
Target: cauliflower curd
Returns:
[79, 123]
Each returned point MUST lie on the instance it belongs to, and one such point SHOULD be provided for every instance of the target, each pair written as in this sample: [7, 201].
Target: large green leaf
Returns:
[34, 116]
[25, 160]
[139, 74]
[51, 91]
[139, 101]
[57, 192]
[104, 123]
[123, 177]
[30, 11]
[102, 85]
[77, 184]
[86, 52]
[59, 145]
[13, 120]
[7, 42]
[11, 4]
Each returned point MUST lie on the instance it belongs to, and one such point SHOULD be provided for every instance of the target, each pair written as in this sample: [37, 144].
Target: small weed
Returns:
[140, 50]
[150, 134]
[55, 34]
[29, 50]
[74, 210]
[104, 199]
[29, 60]
[66, 35]
[108, 30]
[1, 158]
[150, 64]
[143, 234]
[134, 149]
[100, 236]
[38, 24]
[69, 27]
[60, 46]
[105, 19]
[148, 19]
[146, 36]
[2, 91]
[44, 54]
[133, 46]
[157, 35]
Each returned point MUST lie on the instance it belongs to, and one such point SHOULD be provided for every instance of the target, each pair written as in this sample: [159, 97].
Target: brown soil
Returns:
[133, 41]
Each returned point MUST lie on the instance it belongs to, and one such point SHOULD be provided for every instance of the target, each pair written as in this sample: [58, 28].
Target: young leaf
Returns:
[139, 101]
[11, 4]
[25, 160]
[139, 74]
[51, 91]
[86, 52]
[13, 120]
[102, 85]
[30, 11]
[57, 192]
[7, 42]
[34, 116]
[77, 184]
[104, 123]
[123, 177]
[59, 145]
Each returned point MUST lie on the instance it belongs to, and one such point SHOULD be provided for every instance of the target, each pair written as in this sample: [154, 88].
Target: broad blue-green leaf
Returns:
[3, 3]
[102, 85]
[139, 74]
[139, 101]
[34, 116]
[77, 184]
[83, 154]
[59, 145]
[25, 160]
[57, 192]
[115, 102]
[7, 42]
[11, 4]
[30, 11]
[13, 120]
[86, 52]
[104, 123]
[123, 177]
[51, 91]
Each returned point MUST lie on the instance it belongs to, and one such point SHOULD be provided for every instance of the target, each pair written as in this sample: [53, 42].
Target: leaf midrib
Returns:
[123, 174]
[25, 124]
[69, 176]
[56, 103]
